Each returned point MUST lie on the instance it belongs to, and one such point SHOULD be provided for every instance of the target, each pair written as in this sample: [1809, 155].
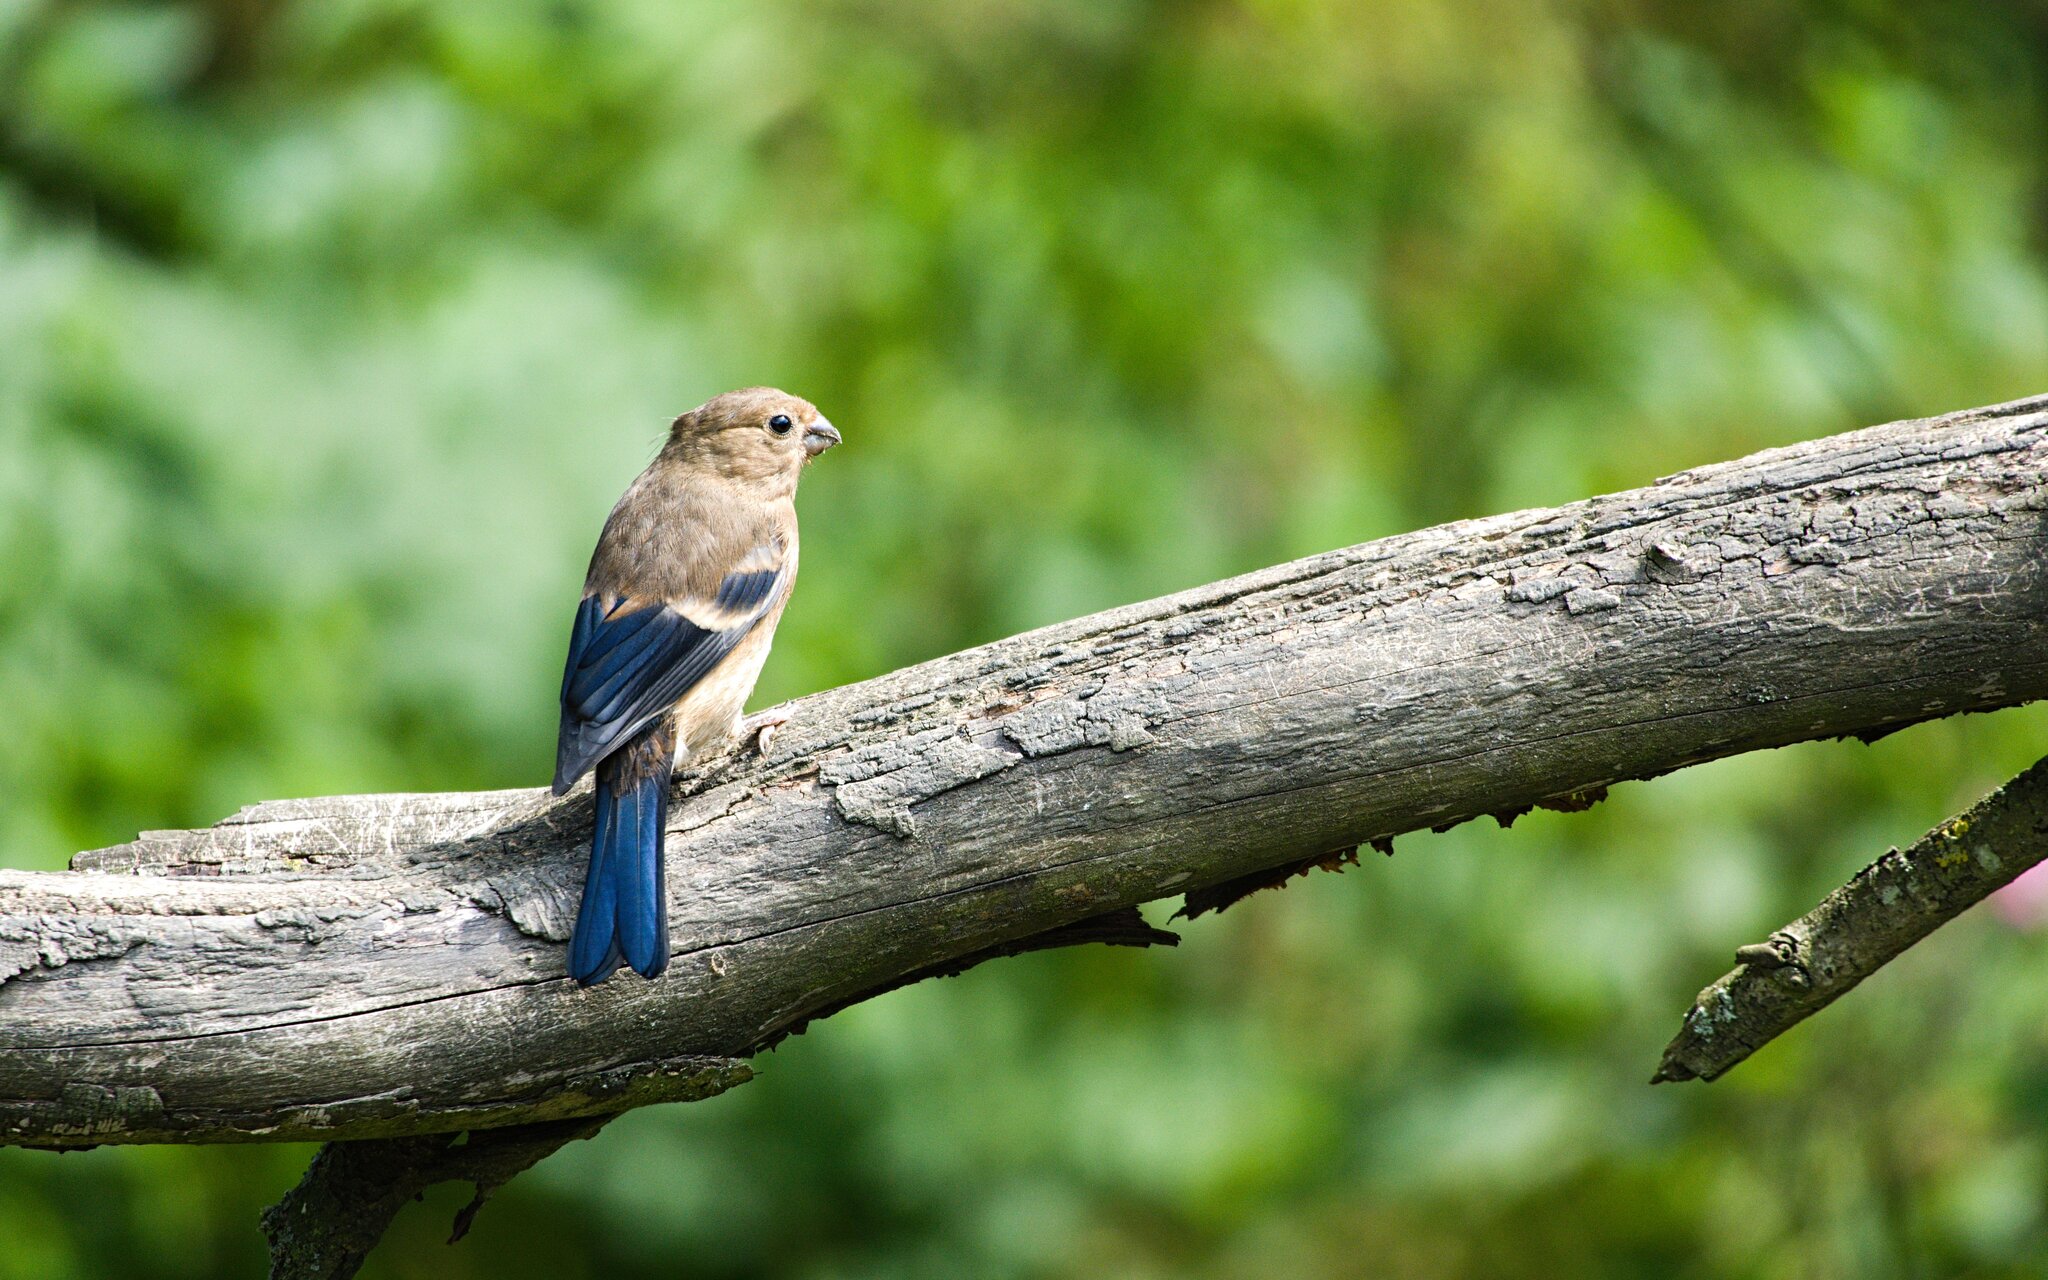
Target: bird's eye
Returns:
[780, 424]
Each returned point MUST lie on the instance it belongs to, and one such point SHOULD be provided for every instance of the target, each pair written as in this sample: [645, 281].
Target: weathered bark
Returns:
[326, 1226]
[392, 965]
[1861, 927]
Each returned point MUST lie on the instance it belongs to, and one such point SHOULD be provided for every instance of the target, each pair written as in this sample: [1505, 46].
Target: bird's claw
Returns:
[758, 730]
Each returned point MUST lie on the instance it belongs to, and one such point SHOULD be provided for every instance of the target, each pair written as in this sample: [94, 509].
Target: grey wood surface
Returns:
[383, 965]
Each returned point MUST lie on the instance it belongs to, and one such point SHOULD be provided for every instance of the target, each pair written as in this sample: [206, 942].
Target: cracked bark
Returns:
[391, 966]
[326, 1226]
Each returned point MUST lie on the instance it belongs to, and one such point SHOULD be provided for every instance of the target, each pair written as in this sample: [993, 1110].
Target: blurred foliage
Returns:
[329, 332]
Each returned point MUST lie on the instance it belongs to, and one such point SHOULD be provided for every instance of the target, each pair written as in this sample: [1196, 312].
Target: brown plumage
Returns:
[688, 581]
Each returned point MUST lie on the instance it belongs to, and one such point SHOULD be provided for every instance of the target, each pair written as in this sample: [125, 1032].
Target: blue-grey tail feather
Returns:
[624, 916]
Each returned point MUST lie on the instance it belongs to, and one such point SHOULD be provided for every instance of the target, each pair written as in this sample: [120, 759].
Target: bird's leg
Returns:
[758, 730]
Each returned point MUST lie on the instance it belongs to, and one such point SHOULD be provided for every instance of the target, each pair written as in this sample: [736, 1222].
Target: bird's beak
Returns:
[820, 436]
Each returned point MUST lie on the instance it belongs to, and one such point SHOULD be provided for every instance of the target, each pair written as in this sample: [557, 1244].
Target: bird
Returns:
[689, 578]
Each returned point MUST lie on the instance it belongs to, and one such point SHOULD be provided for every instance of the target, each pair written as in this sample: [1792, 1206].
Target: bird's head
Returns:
[755, 435]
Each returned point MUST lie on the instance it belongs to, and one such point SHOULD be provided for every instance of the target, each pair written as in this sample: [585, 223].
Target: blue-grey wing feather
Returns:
[630, 662]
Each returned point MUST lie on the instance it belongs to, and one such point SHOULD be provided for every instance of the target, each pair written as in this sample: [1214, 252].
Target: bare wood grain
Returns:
[392, 965]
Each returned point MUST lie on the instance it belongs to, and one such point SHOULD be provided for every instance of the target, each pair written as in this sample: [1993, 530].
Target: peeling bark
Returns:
[392, 965]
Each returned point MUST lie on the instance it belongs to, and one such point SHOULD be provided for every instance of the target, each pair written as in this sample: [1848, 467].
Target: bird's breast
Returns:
[711, 709]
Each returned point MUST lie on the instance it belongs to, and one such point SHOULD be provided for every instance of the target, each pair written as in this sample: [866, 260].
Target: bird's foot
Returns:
[758, 730]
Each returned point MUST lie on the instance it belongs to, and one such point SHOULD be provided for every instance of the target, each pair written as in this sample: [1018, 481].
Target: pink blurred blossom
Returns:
[2023, 904]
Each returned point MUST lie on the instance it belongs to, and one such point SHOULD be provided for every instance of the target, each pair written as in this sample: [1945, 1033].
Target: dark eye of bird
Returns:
[780, 424]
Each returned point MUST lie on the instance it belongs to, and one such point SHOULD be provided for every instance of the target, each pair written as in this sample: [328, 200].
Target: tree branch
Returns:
[391, 966]
[327, 1225]
[1856, 930]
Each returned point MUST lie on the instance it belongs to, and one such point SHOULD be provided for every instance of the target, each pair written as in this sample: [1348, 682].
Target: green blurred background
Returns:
[329, 332]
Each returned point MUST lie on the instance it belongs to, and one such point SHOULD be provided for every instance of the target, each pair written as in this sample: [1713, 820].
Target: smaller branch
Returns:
[1890, 905]
[327, 1225]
